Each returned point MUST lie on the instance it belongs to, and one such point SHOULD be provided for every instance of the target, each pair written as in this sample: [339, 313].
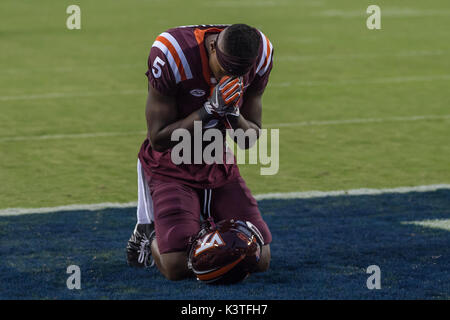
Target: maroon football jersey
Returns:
[178, 66]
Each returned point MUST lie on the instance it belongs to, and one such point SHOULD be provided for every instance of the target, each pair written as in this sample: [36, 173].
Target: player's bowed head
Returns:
[233, 51]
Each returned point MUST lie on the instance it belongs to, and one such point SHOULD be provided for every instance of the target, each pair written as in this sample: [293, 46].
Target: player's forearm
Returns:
[241, 122]
[162, 141]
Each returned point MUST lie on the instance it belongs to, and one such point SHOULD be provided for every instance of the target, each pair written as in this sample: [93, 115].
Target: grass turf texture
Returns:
[321, 249]
[328, 66]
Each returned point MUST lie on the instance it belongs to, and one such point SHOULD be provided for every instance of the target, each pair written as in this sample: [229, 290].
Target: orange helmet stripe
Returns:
[221, 271]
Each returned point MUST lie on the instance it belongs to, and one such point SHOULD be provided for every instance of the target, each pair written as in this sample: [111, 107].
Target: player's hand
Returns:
[231, 116]
[225, 96]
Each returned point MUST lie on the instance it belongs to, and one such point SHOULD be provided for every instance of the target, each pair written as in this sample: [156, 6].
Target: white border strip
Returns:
[352, 192]
[72, 207]
[266, 196]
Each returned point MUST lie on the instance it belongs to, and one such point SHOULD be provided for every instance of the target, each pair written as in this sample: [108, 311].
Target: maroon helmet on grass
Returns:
[226, 252]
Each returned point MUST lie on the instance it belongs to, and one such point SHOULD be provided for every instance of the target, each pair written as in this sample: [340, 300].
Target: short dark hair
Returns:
[241, 40]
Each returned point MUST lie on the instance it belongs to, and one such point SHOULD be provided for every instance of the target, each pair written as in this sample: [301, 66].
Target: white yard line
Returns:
[289, 195]
[278, 57]
[57, 95]
[71, 136]
[356, 121]
[341, 56]
[391, 12]
[337, 82]
[273, 125]
[253, 4]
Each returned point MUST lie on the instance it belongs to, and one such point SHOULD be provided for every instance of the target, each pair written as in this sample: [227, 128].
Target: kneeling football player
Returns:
[215, 74]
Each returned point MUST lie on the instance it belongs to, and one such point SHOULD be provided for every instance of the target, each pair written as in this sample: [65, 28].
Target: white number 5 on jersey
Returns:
[157, 68]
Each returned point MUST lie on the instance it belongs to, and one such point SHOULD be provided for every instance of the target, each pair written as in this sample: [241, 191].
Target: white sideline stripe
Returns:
[406, 79]
[352, 192]
[266, 196]
[273, 125]
[435, 224]
[73, 207]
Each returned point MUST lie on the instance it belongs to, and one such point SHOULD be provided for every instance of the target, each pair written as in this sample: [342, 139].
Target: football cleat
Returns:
[139, 253]
[225, 253]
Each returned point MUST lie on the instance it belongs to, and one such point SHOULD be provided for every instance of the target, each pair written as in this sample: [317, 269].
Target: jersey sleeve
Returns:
[263, 67]
[159, 73]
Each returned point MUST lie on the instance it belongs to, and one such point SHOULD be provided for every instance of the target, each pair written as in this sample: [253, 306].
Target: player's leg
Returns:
[138, 246]
[235, 201]
[177, 218]
[172, 265]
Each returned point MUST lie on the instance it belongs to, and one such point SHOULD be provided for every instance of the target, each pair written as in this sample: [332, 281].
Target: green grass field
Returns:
[72, 101]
